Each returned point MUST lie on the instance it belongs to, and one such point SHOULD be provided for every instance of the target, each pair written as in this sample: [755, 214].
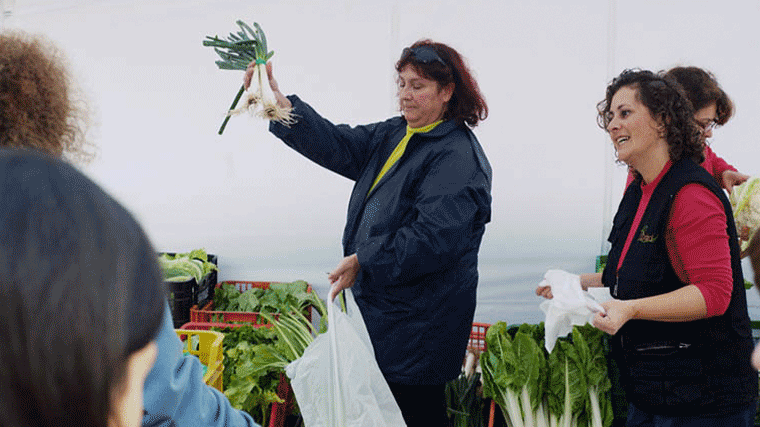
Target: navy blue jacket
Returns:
[416, 235]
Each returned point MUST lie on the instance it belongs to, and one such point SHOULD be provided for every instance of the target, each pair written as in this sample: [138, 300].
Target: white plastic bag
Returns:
[569, 306]
[337, 381]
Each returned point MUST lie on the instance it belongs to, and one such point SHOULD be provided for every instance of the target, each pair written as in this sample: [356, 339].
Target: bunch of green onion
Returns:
[237, 52]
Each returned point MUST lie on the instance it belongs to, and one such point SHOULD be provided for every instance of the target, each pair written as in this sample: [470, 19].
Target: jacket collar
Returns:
[439, 131]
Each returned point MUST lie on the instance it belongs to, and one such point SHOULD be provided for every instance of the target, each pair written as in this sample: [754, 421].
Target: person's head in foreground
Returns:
[435, 84]
[39, 104]
[82, 299]
[647, 115]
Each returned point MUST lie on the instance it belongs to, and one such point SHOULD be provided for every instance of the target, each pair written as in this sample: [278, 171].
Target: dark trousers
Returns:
[421, 405]
[742, 418]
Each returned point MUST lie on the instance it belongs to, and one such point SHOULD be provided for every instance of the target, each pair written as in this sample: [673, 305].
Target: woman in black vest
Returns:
[679, 315]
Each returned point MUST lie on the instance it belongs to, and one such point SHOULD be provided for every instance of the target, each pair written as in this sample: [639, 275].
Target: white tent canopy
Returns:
[159, 100]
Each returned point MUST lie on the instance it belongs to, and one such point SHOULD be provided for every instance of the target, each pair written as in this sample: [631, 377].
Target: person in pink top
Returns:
[680, 329]
[712, 108]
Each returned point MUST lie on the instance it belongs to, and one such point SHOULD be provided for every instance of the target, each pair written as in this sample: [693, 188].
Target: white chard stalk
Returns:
[469, 365]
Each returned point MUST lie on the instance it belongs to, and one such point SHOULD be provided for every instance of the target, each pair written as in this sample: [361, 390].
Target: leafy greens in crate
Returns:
[186, 266]
[278, 298]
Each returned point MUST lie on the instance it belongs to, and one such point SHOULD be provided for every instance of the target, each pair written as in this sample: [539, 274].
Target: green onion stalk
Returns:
[237, 52]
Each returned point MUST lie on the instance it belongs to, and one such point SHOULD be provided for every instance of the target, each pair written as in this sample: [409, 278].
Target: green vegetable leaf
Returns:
[226, 298]
[248, 301]
[248, 385]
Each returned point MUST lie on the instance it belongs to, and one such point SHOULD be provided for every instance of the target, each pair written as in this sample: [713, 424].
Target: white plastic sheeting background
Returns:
[270, 214]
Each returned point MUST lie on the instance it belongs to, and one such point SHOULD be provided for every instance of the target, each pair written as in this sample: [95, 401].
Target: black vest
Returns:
[700, 367]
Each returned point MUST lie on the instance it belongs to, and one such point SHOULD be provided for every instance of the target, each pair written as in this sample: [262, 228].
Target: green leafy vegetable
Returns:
[183, 267]
[248, 389]
[278, 298]
[745, 201]
[464, 405]
[500, 381]
[237, 52]
[568, 387]
[592, 359]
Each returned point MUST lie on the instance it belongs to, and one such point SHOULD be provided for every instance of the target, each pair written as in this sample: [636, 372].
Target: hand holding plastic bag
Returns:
[569, 306]
[337, 381]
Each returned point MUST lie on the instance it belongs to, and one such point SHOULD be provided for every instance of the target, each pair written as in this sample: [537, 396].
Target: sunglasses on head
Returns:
[423, 54]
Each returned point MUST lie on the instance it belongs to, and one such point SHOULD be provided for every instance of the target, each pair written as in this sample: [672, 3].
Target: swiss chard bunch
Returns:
[568, 387]
[514, 374]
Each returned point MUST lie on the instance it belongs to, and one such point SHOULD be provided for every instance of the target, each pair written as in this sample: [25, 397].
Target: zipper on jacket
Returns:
[661, 347]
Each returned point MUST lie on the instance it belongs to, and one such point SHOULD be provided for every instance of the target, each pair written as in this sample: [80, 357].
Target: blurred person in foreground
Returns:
[82, 295]
[416, 217]
[40, 109]
[682, 335]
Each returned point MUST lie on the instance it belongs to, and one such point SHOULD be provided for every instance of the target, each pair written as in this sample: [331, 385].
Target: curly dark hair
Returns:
[39, 108]
[667, 103]
[467, 105]
[702, 89]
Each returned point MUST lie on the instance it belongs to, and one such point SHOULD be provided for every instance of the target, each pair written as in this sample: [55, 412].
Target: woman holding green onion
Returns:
[416, 217]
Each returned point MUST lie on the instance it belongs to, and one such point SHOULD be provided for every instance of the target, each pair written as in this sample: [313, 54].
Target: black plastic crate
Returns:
[182, 290]
[180, 301]
[206, 289]
[200, 293]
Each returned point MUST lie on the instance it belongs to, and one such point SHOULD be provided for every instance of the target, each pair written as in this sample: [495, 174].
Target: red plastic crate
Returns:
[279, 411]
[478, 343]
[478, 337]
[204, 326]
[208, 314]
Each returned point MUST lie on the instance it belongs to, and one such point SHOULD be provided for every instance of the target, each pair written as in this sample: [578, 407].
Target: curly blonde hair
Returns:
[39, 108]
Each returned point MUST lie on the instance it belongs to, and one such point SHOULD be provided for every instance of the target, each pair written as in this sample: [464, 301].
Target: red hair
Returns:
[467, 105]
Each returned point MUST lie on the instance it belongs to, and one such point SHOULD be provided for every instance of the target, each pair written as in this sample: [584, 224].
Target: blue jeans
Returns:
[741, 418]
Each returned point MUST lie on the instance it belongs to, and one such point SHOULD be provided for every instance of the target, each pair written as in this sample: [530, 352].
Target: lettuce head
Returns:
[745, 201]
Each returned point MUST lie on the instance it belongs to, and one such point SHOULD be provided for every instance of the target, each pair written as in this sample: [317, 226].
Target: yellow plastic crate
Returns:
[207, 345]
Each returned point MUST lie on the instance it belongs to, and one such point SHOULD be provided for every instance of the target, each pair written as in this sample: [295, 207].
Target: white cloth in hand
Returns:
[569, 306]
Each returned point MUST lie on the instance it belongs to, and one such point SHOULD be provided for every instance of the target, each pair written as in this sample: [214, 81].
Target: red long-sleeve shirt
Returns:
[696, 240]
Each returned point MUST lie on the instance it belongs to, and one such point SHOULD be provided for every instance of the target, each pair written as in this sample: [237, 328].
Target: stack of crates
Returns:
[204, 316]
[184, 295]
[206, 313]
